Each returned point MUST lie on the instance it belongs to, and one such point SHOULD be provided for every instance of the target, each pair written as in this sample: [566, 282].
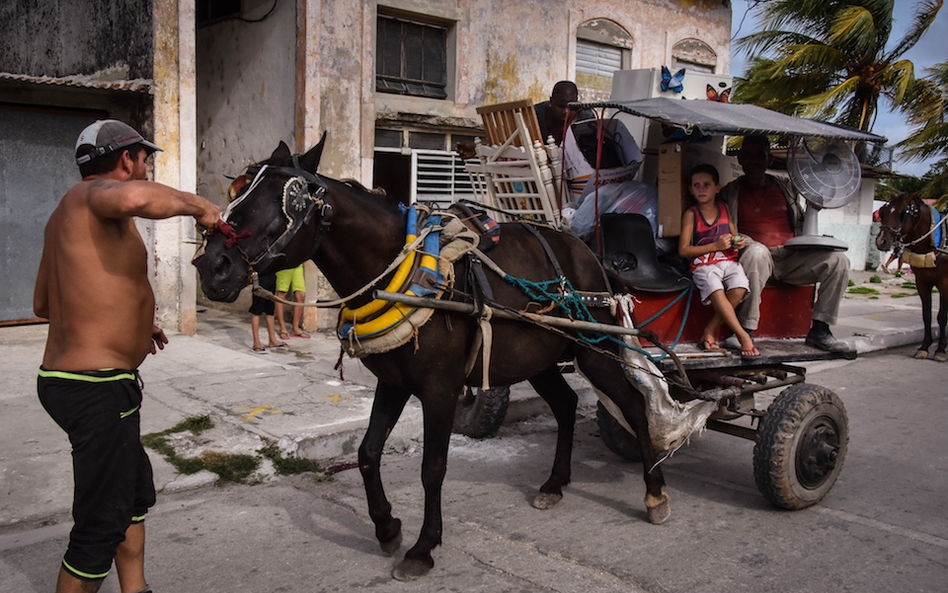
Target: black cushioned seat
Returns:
[629, 250]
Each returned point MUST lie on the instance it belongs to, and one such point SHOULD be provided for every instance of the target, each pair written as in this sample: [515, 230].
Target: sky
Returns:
[927, 52]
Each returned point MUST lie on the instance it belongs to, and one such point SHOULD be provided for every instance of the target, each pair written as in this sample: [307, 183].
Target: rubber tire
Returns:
[616, 438]
[804, 422]
[480, 413]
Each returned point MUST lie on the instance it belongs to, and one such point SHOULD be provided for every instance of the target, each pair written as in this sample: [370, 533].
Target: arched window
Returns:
[602, 47]
[694, 55]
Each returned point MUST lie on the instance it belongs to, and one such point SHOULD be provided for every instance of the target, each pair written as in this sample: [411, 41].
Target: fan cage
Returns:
[825, 171]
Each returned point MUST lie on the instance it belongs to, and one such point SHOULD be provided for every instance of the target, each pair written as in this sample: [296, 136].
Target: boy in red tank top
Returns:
[710, 240]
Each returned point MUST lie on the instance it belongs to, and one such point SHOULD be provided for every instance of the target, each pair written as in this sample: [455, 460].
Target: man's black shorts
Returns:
[99, 410]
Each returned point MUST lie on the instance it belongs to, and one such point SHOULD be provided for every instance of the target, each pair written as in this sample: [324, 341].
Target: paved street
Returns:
[882, 528]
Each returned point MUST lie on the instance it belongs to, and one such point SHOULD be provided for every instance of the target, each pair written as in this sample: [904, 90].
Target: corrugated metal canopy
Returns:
[715, 119]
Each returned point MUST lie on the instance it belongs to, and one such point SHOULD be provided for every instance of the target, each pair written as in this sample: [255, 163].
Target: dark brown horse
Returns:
[353, 235]
[907, 222]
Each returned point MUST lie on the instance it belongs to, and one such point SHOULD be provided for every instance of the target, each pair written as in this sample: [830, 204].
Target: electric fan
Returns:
[826, 172]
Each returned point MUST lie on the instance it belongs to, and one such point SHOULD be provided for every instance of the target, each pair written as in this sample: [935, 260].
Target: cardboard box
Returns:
[675, 161]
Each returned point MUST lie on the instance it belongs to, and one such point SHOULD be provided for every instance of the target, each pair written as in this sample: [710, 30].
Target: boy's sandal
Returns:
[752, 353]
[283, 335]
[256, 350]
[280, 346]
[709, 346]
[302, 334]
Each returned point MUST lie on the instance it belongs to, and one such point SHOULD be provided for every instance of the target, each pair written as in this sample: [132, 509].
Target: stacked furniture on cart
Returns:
[514, 174]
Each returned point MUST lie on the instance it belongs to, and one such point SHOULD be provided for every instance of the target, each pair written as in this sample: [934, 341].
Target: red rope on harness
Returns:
[230, 233]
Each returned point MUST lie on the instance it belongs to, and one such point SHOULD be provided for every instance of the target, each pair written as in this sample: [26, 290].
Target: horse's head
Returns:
[898, 216]
[275, 214]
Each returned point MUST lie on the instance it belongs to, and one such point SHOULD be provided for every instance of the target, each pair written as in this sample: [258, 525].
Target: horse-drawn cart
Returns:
[801, 435]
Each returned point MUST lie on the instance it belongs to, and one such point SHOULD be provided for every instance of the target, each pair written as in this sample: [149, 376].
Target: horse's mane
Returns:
[349, 183]
[379, 191]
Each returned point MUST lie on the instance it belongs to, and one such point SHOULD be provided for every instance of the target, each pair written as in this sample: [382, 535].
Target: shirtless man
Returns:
[93, 287]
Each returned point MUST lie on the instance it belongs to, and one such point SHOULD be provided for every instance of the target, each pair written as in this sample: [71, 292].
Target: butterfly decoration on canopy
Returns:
[722, 97]
[672, 82]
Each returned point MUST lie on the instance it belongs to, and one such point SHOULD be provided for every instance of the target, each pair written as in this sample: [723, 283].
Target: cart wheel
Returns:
[618, 440]
[801, 446]
[480, 413]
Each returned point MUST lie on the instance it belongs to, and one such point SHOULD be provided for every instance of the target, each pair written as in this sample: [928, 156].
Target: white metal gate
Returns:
[436, 176]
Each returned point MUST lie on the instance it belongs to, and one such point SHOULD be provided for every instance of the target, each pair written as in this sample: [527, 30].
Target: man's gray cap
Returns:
[106, 136]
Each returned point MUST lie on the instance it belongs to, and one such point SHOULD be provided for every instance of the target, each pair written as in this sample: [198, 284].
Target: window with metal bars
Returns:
[411, 58]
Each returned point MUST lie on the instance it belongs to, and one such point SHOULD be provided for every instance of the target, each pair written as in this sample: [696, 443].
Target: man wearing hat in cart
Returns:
[93, 287]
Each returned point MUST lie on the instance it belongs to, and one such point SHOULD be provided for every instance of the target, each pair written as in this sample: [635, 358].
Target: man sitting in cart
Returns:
[551, 114]
[768, 212]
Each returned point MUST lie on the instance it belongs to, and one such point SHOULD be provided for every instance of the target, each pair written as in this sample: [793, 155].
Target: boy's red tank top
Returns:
[704, 233]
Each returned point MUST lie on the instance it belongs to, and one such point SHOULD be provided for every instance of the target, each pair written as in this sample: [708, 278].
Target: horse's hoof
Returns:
[392, 545]
[659, 509]
[411, 569]
[921, 353]
[546, 500]
[940, 357]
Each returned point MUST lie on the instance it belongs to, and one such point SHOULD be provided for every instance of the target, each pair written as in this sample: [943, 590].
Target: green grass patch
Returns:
[902, 295]
[237, 468]
[908, 285]
[875, 279]
[851, 283]
[287, 466]
[230, 467]
[159, 442]
[862, 290]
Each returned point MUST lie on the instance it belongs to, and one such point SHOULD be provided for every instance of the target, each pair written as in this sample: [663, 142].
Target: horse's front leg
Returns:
[438, 419]
[386, 409]
[562, 400]
[925, 294]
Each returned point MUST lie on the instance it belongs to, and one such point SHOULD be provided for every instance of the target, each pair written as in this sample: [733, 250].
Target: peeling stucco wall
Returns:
[507, 50]
[246, 104]
[250, 74]
[68, 37]
[245, 94]
[89, 54]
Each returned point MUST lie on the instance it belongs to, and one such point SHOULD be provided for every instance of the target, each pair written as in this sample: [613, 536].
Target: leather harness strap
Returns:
[546, 247]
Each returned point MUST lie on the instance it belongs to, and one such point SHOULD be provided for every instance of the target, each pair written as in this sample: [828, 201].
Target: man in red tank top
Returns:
[767, 211]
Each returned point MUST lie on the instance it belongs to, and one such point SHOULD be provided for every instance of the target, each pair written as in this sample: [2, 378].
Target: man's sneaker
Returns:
[824, 340]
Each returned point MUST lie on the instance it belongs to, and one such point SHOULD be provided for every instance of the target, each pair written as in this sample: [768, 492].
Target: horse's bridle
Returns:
[909, 214]
[303, 195]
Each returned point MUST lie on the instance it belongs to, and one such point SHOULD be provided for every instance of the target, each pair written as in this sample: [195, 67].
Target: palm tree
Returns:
[930, 137]
[831, 59]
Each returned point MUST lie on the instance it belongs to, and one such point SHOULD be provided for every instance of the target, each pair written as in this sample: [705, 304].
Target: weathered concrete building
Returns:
[64, 64]
[219, 85]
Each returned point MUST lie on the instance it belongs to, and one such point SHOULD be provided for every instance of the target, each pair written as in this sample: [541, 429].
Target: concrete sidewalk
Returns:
[294, 398]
